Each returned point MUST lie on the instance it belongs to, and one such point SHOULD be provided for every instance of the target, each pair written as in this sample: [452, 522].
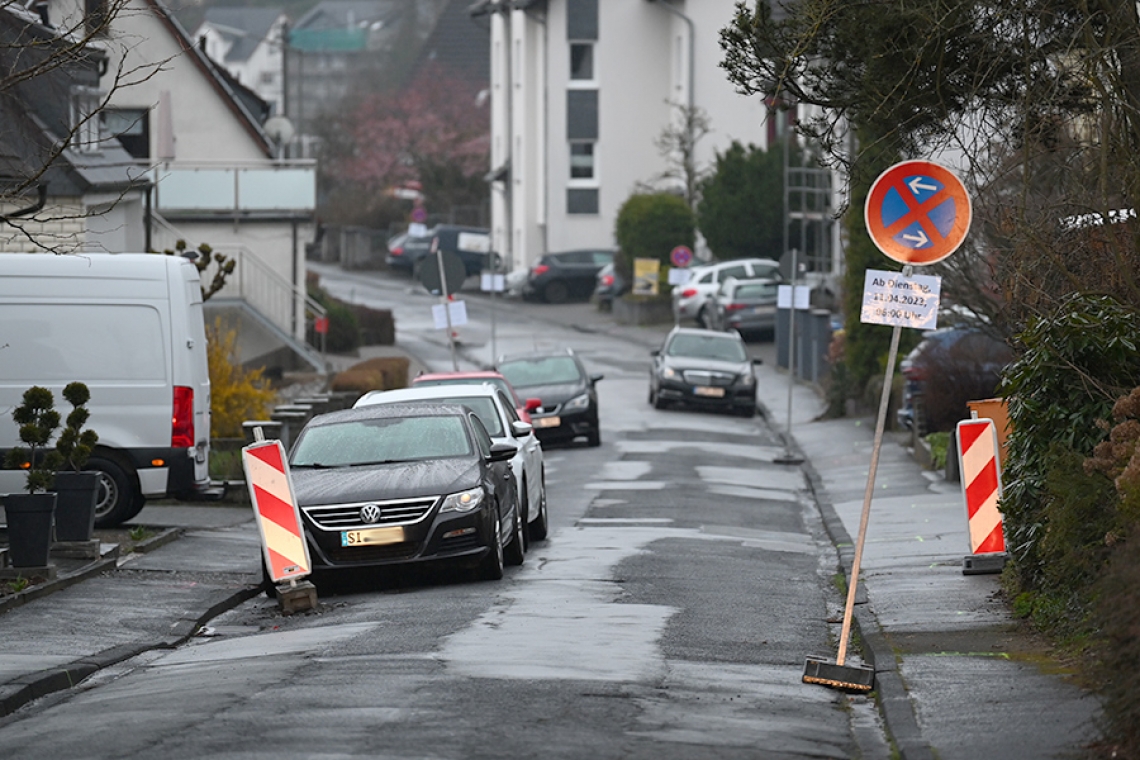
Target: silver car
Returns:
[746, 306]
[694, 299]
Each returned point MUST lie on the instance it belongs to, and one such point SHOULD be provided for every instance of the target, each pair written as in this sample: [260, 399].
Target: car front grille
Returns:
[713, 379]
[348, 516]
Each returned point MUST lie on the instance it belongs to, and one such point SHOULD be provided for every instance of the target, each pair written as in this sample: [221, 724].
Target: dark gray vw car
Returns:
[391, 484]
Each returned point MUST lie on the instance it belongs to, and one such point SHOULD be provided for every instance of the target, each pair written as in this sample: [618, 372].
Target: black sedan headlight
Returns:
[464, 501]
[577, 403]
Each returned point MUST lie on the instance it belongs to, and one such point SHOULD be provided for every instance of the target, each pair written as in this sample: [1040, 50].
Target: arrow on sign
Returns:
[919, 240]
[916, 185]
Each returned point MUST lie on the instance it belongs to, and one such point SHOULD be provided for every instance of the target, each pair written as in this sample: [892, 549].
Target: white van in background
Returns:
[130, 326]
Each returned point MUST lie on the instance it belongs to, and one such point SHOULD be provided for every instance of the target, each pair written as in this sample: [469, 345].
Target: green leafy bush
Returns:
[37, 421]
[344, 330]
[650, 226]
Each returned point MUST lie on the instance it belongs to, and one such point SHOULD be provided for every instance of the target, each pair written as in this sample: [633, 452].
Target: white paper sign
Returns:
[493, 283]
[784, 296]
[417, 229]
[889, 298]
[475, 242]
[678, 276]
[457, 309]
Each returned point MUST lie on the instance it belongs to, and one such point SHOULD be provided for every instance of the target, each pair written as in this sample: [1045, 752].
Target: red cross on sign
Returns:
[918, 212]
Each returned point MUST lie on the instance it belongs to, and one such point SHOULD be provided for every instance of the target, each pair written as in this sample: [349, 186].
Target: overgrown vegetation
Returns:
[939, 444]
[237, 394]
[650, 226]
[344, 330]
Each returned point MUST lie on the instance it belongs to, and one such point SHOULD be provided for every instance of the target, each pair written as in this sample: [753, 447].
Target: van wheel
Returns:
[115, 499]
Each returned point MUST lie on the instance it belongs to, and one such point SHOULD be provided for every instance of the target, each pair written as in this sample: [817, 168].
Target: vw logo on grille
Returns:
[370, 513]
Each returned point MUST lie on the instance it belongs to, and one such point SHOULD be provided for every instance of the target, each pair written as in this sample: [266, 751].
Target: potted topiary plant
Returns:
[75, 489]
[29, 514]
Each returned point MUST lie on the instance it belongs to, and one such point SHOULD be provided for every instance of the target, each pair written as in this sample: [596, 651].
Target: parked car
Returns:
[608, 286]
[558, 277]
[393, 484]
[747, 306]
[523, 408]
[130, 326]
[702, 368]
[949, 367]
[496, 411]
[567, 392]
[693, 300]
[404, 250]
[471, 244]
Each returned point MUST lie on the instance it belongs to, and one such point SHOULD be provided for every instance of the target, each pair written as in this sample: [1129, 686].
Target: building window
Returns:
[582, 19]
[96, 19]
[581, 160]
[582, 200]
[131, 127]
[582, 61]
[85, 104]
[582, 114]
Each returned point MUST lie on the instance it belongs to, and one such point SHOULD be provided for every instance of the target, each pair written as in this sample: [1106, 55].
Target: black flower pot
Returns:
[29, 528]
[75, 505]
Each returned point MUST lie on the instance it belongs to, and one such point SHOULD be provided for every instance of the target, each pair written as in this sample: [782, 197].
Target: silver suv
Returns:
[694, 299]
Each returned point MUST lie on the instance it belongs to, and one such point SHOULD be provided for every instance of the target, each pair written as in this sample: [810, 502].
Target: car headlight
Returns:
[747, 378]
[578, 402]
[464, 501]
[668, 373]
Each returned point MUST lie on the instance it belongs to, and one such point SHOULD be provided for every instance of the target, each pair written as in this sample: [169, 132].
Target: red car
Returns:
[523, 408]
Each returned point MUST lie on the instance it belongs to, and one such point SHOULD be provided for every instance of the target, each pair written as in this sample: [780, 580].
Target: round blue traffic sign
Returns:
[681, 256]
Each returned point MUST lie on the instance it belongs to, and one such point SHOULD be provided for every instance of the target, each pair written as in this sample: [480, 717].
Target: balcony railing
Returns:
[286, 186]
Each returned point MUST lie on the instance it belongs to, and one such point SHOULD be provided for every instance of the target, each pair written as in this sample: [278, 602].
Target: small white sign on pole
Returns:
[891, 298]
[784, 296]
[457, 310]
[490, 282]
[417, 229]
[678, 276]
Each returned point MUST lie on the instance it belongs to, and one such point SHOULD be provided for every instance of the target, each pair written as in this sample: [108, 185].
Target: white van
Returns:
[130, 326]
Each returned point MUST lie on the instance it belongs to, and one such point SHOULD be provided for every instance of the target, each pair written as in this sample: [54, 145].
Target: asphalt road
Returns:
[667, 616]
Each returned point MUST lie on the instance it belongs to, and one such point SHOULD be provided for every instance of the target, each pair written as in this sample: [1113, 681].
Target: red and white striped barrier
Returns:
[981, 488]
[278, 518]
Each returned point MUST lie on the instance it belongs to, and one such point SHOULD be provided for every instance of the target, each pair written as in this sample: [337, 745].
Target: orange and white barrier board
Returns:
[278, 518]
[981, 488]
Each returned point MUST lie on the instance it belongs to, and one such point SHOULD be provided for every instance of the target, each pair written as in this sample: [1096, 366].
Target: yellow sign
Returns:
[645, 274]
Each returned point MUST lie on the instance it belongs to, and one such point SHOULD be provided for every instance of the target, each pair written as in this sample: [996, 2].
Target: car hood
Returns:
[552, 395]
[682, 363]
[390, 481]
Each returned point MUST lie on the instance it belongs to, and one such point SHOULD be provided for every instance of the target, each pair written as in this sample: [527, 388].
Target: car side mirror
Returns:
[521, 429]
[533, 404]
[501, 452]
[757, 361]
[655, 352]
[596, 378]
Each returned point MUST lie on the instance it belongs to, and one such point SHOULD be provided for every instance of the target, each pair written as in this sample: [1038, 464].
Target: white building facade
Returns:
[581, 90]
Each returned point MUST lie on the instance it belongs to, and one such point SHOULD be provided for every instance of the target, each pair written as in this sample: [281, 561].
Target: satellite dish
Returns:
[280, 129]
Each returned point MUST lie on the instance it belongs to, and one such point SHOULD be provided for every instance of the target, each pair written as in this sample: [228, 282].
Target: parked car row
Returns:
[406, 252]
[448, 470]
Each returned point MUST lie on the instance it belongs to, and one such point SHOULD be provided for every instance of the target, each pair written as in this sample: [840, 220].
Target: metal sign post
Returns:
[443, 298]
[788, 457]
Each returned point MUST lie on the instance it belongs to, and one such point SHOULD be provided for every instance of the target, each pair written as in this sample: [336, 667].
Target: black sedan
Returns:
[392, 484]
[704, 369]
[559, 277]
[567, 392]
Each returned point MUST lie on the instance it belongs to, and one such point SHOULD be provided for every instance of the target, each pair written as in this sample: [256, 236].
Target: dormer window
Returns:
[85, 133]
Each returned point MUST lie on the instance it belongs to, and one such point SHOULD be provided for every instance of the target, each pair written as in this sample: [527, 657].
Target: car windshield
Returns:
[497, 382]
[379, 441]
[713, 347]
[756, 291]
[546, 370]
[484, 408]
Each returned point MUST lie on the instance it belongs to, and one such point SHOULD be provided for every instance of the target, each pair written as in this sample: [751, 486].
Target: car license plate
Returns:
[704, 390]
[372, 536]
[545, 422]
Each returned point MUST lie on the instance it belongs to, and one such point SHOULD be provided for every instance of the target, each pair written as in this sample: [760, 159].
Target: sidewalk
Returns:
[955, 678]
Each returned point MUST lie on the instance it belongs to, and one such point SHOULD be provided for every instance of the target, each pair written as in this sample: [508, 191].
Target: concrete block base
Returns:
[982, 564]
[11, 573]
[77, 549]
[296, 597]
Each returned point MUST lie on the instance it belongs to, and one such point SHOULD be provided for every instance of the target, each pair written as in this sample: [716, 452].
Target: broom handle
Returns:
[884, 399]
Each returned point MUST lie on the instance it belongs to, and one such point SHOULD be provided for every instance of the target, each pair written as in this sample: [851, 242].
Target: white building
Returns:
[215, 175]
[248, 43]
[581, 89]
